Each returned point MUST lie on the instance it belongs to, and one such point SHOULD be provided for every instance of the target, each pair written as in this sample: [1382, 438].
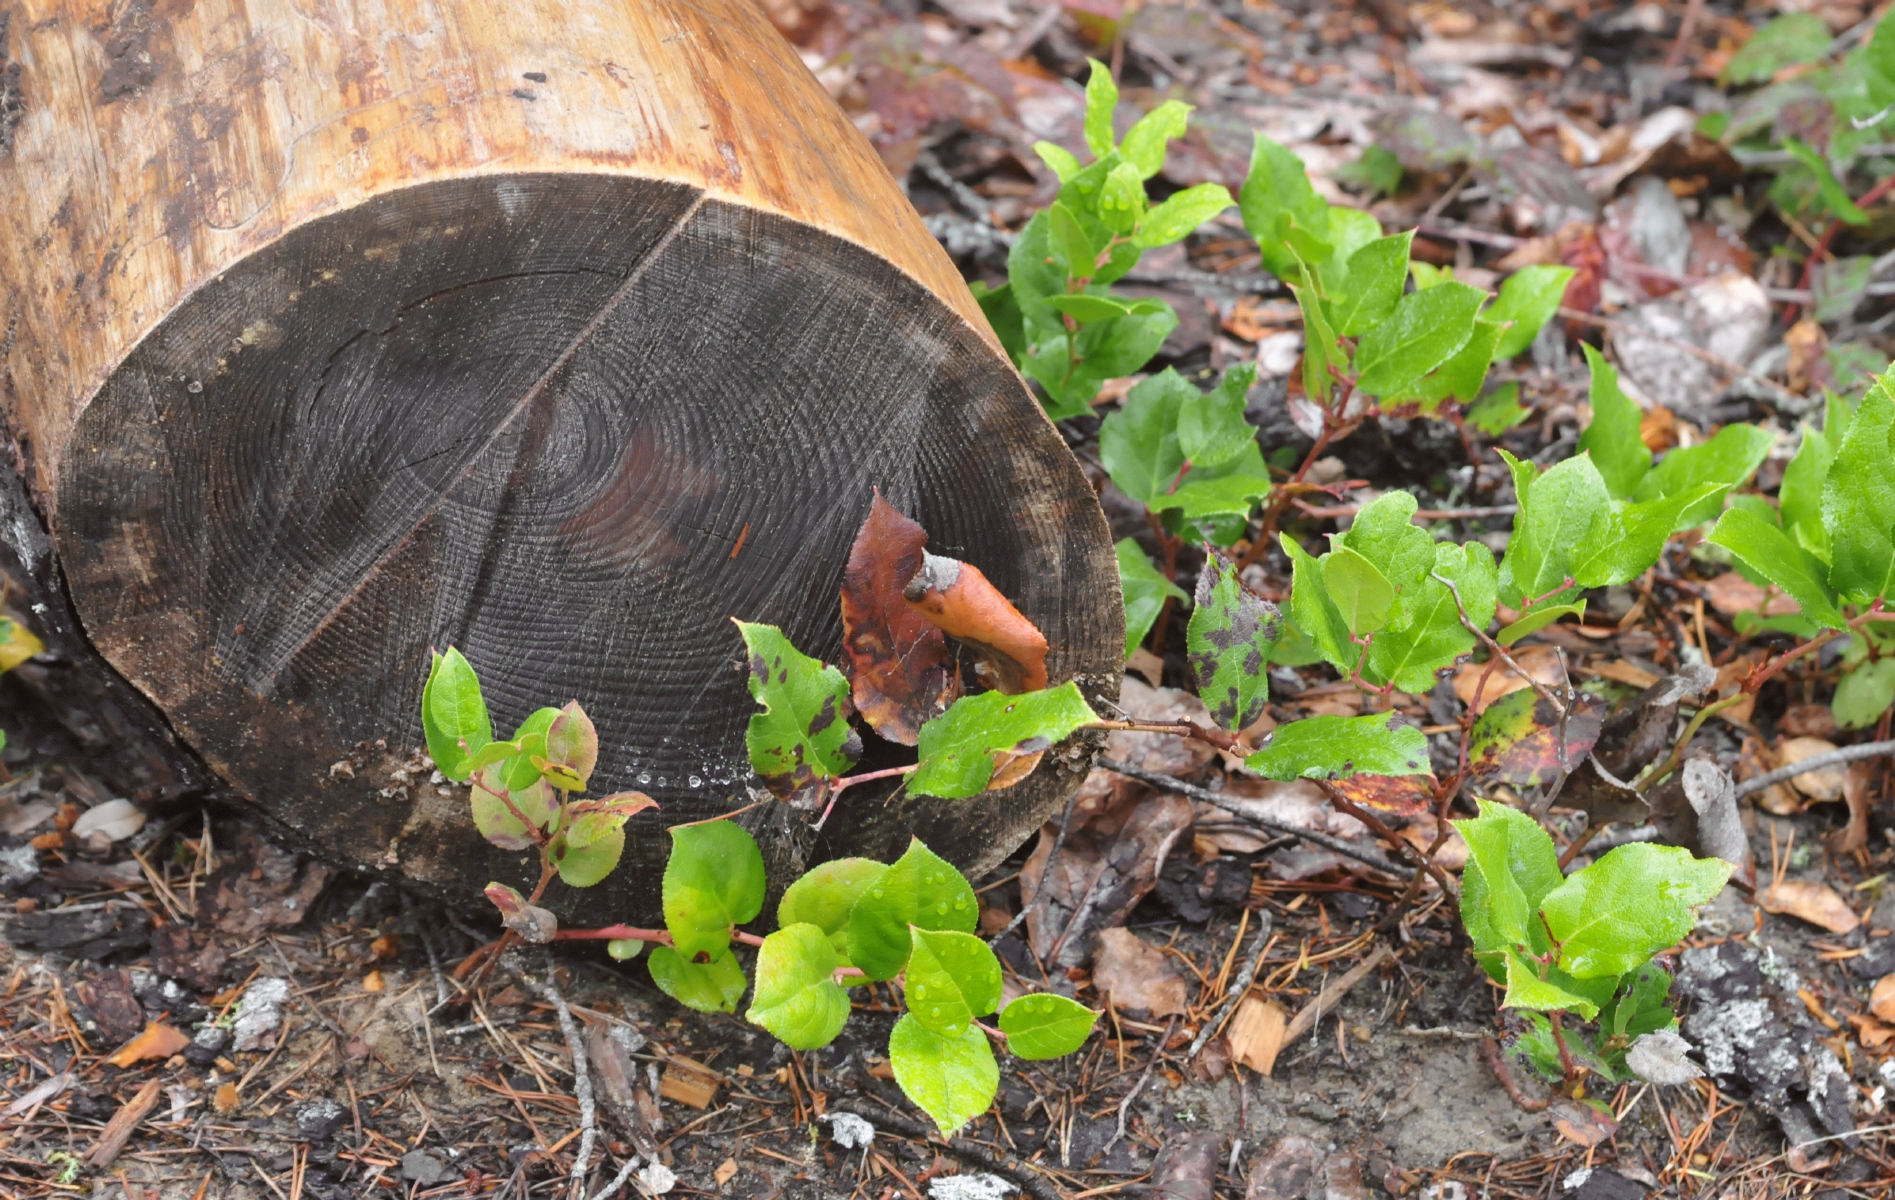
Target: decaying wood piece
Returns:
[556, 330]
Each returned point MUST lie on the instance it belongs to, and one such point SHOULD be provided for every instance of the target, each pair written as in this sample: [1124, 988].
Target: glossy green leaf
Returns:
[1350, 230]
[1043, 1026]
[1636, 537]
[1632, 903]
[802, 736]
[1612, 438]
[453, 714]
[958, 749]
[920, 889]
[585, 865]
[1211, 426]
[1122, 203]
[1144, 143]
[1060, 160]
[1537, 620]
[1360, 592]
[1322, 354]
[529, 740]
[1800, 498]
[1499, 410]
[1228, 645]
[1462, 376]
[1767, 550]
[1424, 634]
[1859, 502]
[1087, 309]
[1643, 1004]
[1525, 989]
[1726, 461]
[1786, 41]
[1422, 333]
[1105, 350]
[1181, 213]
[797, 997]
[1864, 693]
[713, 880]
[1144, 588]
[1562, 513]
[713, 986]
[1333, 747]
[952, 980]
[1511, 866]
[1275, 192]
[1376, 275]
[1835, 197]
[826, 895]
[573, 743]
[1314, 613]
[1102, 99]
[1528, 298]
[951, 1078]
[1075, 249]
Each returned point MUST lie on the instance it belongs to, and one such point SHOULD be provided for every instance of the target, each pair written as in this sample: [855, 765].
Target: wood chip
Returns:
[1256, 1033]
[686, 1085]
[118, 1130]
[157, 1041]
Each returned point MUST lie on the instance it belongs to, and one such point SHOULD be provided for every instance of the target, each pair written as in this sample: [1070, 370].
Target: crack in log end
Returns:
[12, 98]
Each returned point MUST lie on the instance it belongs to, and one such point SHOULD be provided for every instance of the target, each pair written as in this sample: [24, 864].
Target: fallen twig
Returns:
[1238, 987]
[1816, 762]
[581, 1077]
[1193, 792]
[1332, 995]
[1125, 1105]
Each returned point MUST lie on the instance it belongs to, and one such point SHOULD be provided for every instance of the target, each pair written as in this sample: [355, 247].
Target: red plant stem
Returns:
[1179, 477]
[848, 781]
[1490, 1050]
[1878, 192]
[1760, 675]
[1565, 1055]
[1556, 591]
[631, 933]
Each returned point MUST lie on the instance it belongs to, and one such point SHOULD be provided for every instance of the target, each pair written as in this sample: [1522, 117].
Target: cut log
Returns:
[559, 331]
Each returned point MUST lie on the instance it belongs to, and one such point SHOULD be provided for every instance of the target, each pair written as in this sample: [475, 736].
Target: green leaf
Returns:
[1360, 592]
[802, 736]
[1539, 619]
[1528, 298]
[1043, 1026]
[1321, 351]
[496, 821]
[1635, 901]
[1074, 248]
[1525, 989]
[1511, 866]
[1144, 588]
[1122, 199]
[952, 980]
[1087, 309]
[530, 739]
[1463, 375]
[958, 748]
[453, 714]
[1181, 213]
[1864, 694]
[1376, 274]
[584, 865]
[713, 986]
[826, 895]
[1061, 160]
[797, 997]
[1211, 426]
[1785, 42]
[1427, 275]
[1332, 747]
[1228, 645]
[572, 742]
[1422, 333]
[1612, 438]
[1350, 230]
[921, 889]
[1498, 411]
[1644, 1005]
[1275, 192]
[1144, 143]
[1767, 550]
[1859, 502]
[1637, 537]
[1425, 633]
[1102, 98]
[1835, 197]
[1800, 498]
[1312, 609]
[1378, 170]
[951, 1078]
[1725, 462]
[713, 880]
[1106, 350]
[624, 949]
[1562, 513]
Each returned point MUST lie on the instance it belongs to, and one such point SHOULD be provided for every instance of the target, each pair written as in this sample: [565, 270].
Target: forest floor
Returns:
[342, 1048]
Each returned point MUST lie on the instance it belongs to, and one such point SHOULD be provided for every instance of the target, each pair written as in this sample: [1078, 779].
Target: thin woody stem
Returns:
[1495, 648]
[1760, 675]
[1184, 729]
[849, 781]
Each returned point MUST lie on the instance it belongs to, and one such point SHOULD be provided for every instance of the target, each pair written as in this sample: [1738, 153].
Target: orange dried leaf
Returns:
[157, 1041]
[372, 982]
[955, 596]
[901, 674]
[1807, 900]
[1882, 999]
[226, 1100]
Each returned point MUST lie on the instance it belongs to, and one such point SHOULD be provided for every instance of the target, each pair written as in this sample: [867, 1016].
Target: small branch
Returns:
[1125, 1105]
[1381, 830]
[1239, 986]
[581, 1077]
[617, 933]
[849, 781]
[1490, 1050]
[1192, 791]
[1816, 762]
[1671, 763]
[1184, 729]
[1495, 648]
[1761, 675]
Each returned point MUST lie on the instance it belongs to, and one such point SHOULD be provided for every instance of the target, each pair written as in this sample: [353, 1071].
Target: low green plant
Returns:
[1578, 948]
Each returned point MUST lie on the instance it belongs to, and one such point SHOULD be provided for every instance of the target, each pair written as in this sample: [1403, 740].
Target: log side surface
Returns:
[338, 332]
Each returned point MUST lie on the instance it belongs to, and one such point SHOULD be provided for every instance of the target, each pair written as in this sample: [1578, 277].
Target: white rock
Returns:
[259, 1013]
[1660, 1058]
[115, 820]
[969, 1187]
[656, 1178]
[850, 1131]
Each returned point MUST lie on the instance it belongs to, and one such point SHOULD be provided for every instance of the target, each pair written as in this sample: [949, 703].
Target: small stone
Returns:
[317, 1120]
[420, 1167]
[208, 1043]
[850, 1131]
[19, 866]
[260, 1013]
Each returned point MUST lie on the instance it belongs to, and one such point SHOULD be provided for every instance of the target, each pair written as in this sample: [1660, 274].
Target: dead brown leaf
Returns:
[1857, 784]
[1807, 720]
[1010, 650]
[1807, 343]
[226, 1099]
[1808, 900]
[1882, 999]
[1730, 594]
[1256, 1033]
[157, 1041]
[1582, 1124]
[901, 673]
[1403, 797]
[1824, 783]
[109, 995]
[1658, 429]
[1541, 662]
[1132, 975]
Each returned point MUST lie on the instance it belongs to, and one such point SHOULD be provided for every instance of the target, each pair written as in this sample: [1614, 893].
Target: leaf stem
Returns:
[849, 781]
[1671, 762]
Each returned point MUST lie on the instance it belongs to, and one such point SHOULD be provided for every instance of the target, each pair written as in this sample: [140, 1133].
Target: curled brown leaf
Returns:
[960, 600]
[901, 674]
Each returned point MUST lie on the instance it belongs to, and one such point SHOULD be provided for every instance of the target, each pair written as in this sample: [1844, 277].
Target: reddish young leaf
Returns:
[1010, 650]
[901, 674]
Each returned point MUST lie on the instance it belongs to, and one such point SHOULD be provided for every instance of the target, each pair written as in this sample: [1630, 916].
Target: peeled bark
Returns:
[563, 332]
